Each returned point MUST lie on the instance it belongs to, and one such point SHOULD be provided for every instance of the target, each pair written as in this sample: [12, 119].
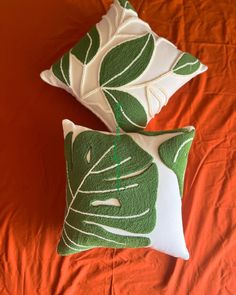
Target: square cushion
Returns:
[124, 190]
[122, 71]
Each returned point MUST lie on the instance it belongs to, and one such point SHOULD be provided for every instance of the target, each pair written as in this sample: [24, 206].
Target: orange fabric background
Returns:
[32, 183]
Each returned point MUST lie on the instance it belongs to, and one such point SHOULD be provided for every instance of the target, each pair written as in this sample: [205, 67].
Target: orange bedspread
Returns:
[32, 184]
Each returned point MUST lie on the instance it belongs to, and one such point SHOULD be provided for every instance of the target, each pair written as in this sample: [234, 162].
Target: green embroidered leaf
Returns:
[186, 65]
[174, 154]
[125, 4]
[98, 213]
[129, 119]
[88, 46]
[126, 62]
[154, 133]
[61, 69]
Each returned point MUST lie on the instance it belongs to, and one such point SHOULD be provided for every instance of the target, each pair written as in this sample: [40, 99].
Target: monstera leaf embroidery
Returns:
[174, 154]
[121, 65]
[98, 212]
[186, 65]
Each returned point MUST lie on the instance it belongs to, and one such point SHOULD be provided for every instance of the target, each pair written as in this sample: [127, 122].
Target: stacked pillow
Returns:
[124, 188]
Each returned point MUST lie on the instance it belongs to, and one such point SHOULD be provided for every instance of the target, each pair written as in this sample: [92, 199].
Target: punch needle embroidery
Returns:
[121, 60]
[107, 206]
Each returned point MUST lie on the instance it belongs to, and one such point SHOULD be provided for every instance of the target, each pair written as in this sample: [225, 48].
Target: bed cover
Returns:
[32, 182]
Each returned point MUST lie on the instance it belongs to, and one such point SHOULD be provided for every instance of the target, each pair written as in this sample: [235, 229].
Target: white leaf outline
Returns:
[62, 71]
[112, 216]
[121, 24]
[113, 230]
[74, 195]
[123, 112]
[131, 64]
[82, 96]
[92, 234]
[181, 147]
[72, 242]
[186, 64]
[88, 34]
[110, 190]
[111, 167]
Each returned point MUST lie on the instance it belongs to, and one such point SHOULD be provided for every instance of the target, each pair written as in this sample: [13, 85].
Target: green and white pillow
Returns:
[124, 191]
[122, 71]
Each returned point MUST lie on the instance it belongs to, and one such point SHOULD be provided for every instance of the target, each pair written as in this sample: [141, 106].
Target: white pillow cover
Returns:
[124, 191]
[122, 71]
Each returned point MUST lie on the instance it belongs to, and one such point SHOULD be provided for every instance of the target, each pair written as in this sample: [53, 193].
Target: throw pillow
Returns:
[124, 191]
[122, 71]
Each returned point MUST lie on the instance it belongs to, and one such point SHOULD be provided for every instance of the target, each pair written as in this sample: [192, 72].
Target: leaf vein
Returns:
[131, 64]
[110, 190]
[92, 234]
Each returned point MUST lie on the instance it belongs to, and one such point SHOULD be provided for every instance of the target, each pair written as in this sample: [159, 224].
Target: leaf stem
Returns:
[85, 177]
[144, 84]
[83, 97]
[127, 87]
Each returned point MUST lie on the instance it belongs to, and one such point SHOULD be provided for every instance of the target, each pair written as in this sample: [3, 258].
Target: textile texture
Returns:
[122, 62]
[120, 193]
[32, 185]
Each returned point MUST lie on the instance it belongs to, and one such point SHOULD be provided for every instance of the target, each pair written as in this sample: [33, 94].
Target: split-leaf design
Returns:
[186, 65]
[99, 213]
[174, 154]
[87, 47]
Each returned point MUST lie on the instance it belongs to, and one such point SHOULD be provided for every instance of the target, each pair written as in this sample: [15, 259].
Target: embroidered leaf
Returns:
[99, 213]
[186, 65]
[88, 46]
[61, 69]
[174, 153]
[126, 62]
[153, 133]
[127, 118]
[125, 4]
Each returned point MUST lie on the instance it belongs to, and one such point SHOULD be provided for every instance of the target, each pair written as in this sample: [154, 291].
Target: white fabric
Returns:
[152, 89]
[167, 236]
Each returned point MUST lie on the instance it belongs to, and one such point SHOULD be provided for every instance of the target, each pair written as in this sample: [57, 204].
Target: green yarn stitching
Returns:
[61, 69]
[96, 181]
[154, 133]
[126, 62]
[186, 65]
[174, 154]
[128, 118]
[117, 138]
[123, 64]
[87, 47]
[84, 50]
